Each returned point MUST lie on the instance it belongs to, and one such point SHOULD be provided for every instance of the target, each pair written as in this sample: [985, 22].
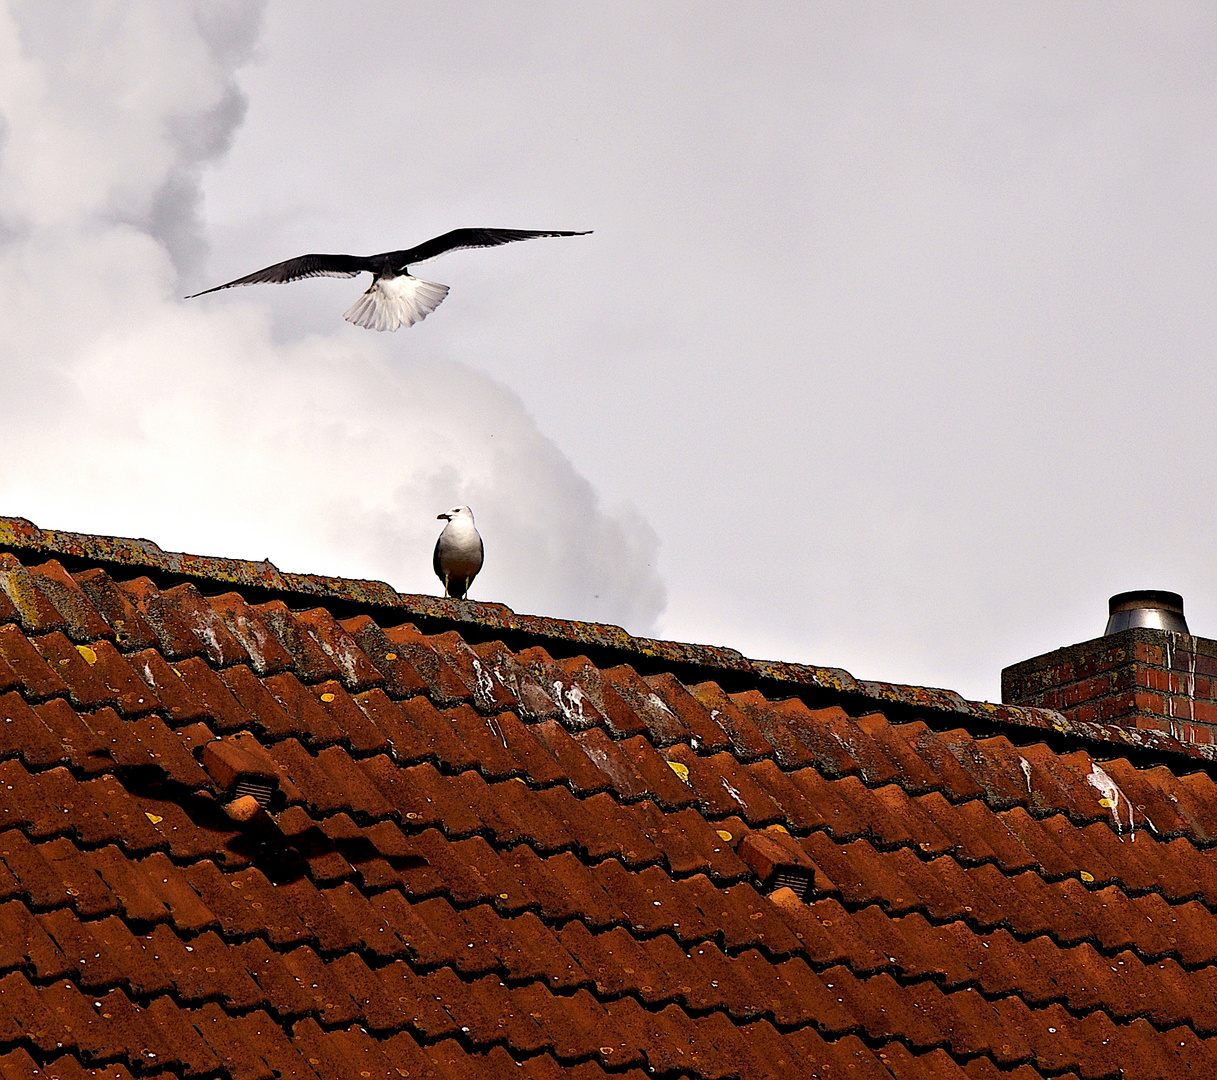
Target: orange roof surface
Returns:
[258, 825]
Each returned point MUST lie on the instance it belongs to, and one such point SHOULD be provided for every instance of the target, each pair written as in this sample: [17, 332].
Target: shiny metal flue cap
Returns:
[1150, 608]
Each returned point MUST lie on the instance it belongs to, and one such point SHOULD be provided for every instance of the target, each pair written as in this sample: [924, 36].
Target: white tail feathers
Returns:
[392, 302]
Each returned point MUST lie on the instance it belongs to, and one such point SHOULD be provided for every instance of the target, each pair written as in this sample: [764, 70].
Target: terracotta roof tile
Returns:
[25, 600]
[526, 858]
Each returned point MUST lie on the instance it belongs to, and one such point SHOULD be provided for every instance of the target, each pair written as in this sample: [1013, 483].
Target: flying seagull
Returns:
[394, 297]
[458, 552]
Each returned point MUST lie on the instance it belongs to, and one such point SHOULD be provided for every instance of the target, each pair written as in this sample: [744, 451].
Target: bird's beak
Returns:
[443, 517]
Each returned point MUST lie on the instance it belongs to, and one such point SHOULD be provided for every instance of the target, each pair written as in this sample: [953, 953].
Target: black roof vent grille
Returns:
[797, 878]
[261, 790]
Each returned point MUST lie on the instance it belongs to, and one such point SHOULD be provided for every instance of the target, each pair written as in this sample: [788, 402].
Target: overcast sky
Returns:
[893, 348]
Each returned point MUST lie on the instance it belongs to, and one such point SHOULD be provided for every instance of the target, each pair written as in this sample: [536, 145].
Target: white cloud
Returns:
[127, 411]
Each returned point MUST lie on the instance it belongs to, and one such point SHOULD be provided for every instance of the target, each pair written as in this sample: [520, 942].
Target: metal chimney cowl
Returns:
[1150, 608]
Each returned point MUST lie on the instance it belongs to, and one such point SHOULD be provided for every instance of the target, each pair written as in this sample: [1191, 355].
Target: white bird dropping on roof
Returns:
[458, 552]
[395, 298]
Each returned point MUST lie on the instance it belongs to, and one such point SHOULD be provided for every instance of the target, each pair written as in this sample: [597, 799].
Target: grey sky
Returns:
[895, 332]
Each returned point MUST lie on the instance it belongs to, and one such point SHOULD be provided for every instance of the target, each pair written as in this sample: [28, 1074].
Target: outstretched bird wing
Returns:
[305, 266]
[459, 238]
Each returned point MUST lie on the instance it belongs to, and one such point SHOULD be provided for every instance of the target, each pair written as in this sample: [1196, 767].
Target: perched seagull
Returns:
[394, 297]
[458, 552]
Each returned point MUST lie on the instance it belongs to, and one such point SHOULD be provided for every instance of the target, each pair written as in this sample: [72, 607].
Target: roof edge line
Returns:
[22, 534]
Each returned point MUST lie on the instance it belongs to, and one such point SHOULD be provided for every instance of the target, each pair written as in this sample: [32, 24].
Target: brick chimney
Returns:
[1146, 671]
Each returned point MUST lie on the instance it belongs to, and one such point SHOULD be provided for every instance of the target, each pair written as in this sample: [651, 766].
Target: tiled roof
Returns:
[259, 826]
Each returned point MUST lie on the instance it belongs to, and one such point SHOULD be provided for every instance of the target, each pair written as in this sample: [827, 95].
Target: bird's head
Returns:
[454, 513]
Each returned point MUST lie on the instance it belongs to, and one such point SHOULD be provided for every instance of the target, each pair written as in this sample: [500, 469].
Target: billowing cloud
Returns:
[127, 411]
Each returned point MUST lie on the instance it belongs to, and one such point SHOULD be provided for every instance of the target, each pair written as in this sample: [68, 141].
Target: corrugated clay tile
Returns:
[21, 803]
[604, 754]
[272, 977]
[130, 629]
[357, 670]
[648, 899]
[82, 621]
[9, 679]
[845, 1059]
[513, 813]
[807, 799]
[37, 613]
[264, 713]
[996, 765]
[884, 1008]
[843, 746]
[984, 833]
[780, 723]
[24, 943]
[565, 888]
[995, 1028]
[904, 1064]
[484, 741]
[309, 660]
[664, 725]
[376, 935]
[140, 902]
[89, 752]
[533, 759]
[22, 732]
[300, 901]
[18, 1065]
[600, 827]
[705, 734]
[359, 796]
[1058, 782]
[436, 731]
[247, 626]
[1197, 803]
[617, 962]
[219, 708]
[313, 724]
[936, 749]
[688, 844]
[27, 1015]
[898, 743]
[39, 680]
[193, 610]
[488, 693]
[205, 969]
[401, 678]
[331, 996]
[579, 772]
[241, 1060]
[58, 868]
[174, 630]
[271, 1044]
[167, 881]
[746, 739]
[443, 685]
[663, 782]
[919, 816]
[861, 873]
[1051, 860]
[316, 846]
[8, 613]
[179, 702]
[405, 741]
[322, 793]
[724, 787]
[1152, 795]
[826, 932]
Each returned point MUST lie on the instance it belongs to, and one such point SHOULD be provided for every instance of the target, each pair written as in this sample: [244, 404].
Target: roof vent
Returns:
[1146, 607]
[260, 789]
[778, 860]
